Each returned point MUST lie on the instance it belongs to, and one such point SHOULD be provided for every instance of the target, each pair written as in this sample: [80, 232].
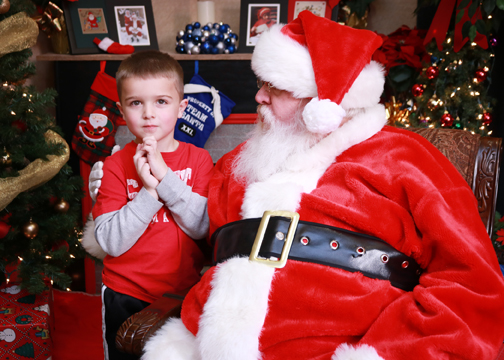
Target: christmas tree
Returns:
[40, 218]
[451, 90]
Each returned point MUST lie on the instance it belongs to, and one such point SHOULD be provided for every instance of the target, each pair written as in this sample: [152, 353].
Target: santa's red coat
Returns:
[398, 187]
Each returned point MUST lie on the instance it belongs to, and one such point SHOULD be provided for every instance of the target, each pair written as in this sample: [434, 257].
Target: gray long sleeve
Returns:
[189, 209]
[118, 231]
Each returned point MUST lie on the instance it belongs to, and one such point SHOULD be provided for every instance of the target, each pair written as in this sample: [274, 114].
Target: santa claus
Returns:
[374, 249]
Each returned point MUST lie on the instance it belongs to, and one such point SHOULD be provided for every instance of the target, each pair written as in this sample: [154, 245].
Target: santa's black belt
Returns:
[315, 243]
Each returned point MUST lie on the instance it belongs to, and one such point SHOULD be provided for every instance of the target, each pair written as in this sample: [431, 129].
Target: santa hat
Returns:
[314, 57]
[262, 12]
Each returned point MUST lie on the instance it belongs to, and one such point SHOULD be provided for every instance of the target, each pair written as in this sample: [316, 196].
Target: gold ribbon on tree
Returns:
[18, 32]
[35, 174]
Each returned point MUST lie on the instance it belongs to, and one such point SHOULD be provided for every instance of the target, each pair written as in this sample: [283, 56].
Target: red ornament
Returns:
[446, 120]
[19, 124]
[480, 75]
[417, 90]
[432, 72]
[487, 118]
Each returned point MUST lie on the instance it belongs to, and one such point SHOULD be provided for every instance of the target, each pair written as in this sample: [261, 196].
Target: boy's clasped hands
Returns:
[150, 165]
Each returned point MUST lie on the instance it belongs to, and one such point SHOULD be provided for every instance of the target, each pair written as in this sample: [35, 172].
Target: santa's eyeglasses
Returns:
[261, 83]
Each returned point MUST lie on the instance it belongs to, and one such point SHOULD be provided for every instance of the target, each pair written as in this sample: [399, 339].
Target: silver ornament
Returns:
[181, 42]
[189, 45]
[203, 39]
[233, 41]
[220, 46]
[180, 33]
[189, 31]
[196, 49]
[226, 51]
[197, 32]
[209, 24]
[206, 33]
[225, 36]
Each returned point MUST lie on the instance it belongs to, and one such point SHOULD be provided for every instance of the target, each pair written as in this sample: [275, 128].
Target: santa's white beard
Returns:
[271, 143]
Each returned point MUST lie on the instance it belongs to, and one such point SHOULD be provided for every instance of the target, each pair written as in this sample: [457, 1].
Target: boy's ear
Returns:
[120, 108]
[182, 107]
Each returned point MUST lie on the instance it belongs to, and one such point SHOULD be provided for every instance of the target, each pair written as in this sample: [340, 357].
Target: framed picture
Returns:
[257, 16]
[85, 20]
[319, 8]
[132, 23]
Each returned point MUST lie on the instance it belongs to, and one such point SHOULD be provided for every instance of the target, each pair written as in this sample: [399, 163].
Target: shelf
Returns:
[113, 57]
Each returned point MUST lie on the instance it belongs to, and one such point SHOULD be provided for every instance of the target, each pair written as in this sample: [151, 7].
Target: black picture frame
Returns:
[80, 35]
[147, 40]
[249, 10]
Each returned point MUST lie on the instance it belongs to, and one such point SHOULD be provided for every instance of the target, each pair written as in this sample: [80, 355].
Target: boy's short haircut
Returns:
[151, 63]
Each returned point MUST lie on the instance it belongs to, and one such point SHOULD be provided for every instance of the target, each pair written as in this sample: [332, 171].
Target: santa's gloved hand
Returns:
[96, 175]
[95, 179]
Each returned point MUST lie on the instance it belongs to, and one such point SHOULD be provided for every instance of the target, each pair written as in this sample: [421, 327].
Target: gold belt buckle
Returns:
[280, 263]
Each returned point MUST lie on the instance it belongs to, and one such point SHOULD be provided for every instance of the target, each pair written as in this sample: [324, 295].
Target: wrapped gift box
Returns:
[25, 324]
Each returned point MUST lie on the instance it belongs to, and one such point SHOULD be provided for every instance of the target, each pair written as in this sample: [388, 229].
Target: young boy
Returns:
[152, 202]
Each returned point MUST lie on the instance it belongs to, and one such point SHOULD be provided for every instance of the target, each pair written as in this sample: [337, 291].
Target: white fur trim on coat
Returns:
[360, 352]
[171, 341]
[235, 311]
[295, 72]
[322, 116]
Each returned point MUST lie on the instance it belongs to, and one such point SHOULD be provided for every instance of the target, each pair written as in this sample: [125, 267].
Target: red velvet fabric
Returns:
[398, 187]
[335, 67]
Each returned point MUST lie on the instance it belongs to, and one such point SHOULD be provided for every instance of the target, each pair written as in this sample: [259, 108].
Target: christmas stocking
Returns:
[93, 137]
[112, 47]
[206, 110]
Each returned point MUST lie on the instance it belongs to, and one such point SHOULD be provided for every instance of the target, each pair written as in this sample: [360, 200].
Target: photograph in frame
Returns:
[132, 23]
[256, 17]
[85, 21]
[319, 8]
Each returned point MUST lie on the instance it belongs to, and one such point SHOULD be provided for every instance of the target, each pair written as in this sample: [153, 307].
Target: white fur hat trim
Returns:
[322, 116]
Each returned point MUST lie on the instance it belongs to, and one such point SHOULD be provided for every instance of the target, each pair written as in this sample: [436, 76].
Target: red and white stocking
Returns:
[112, 47]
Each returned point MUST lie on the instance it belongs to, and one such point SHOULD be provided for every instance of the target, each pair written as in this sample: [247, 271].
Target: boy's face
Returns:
[151, 107]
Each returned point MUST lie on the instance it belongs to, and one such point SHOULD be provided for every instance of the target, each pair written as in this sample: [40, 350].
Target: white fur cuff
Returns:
[171, 341]
[360, 352]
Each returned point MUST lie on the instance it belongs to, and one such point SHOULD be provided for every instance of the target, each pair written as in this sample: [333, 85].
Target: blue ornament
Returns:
[206, 28]
[189, 27]
[197, 25]
[214, 50]
[234, 36]
[180, 49]
[231, 49]
[205, 48]
[188, 37]
[221, 37]
[227, 41]
[213, 39]
[216, 26]
[196, 39]
[434, 59]
[224, 28]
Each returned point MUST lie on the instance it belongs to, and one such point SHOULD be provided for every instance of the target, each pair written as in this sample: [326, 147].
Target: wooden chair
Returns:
[476, 157]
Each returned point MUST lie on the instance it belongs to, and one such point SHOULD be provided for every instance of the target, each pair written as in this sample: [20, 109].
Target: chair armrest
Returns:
[135, 331]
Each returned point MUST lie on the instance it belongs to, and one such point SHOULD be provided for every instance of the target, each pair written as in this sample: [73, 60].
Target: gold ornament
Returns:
[35, 174]
[349, 18]
[62, 206]
[395, 114]
[52, 22]
[4, 6]
[18, 32]
[5, 159]
[30, 229]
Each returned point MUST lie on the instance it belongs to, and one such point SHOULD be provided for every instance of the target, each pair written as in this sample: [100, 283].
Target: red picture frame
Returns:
[296, 5]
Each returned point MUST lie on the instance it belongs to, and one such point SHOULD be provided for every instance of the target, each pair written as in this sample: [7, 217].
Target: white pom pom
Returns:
[322, 116]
